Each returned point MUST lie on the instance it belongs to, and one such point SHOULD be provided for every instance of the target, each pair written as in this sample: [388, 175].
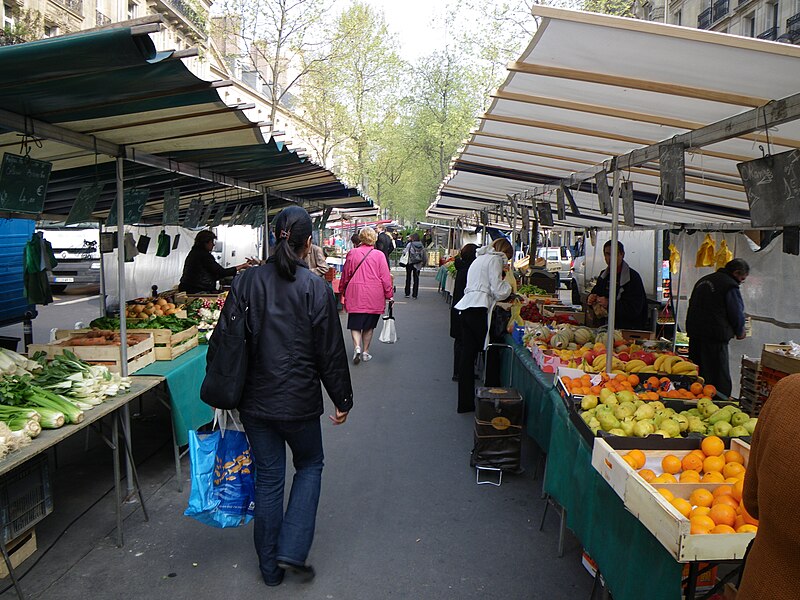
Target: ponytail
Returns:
[292, 229]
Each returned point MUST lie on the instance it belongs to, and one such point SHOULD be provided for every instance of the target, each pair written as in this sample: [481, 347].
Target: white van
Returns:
[559, 260]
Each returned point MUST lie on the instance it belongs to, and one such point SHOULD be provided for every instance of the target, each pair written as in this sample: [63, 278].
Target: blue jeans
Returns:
[278, 536]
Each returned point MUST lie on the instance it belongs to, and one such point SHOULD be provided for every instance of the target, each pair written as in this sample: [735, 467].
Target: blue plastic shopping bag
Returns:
[223, 481]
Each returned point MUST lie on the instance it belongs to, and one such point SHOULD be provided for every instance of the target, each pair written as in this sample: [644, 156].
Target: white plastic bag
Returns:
[388, 331]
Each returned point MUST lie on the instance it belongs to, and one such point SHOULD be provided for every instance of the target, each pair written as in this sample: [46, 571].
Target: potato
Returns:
[161, 302]
[137, 308]
[148, 311]
[170, 311]
[149, 305]
[170, 305]
[158, 312]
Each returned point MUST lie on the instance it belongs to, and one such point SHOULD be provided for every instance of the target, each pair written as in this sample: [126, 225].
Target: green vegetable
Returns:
[171, 322]
[531, 290]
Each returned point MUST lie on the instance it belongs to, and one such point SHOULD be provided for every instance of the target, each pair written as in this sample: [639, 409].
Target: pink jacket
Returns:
[367, 290]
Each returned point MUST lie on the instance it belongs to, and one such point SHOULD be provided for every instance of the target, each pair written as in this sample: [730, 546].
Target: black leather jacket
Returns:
[295, 345]
[201, 272]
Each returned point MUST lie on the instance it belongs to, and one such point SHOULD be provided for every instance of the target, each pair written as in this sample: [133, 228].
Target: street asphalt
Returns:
[401, 515]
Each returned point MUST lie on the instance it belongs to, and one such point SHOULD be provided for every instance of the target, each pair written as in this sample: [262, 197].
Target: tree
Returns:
[619, 8]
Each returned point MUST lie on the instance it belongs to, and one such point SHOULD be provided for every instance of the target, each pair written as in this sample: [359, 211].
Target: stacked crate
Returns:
[749, 385]
[776, 364]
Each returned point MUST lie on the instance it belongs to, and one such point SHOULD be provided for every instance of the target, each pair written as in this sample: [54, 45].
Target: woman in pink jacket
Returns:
[366, 284]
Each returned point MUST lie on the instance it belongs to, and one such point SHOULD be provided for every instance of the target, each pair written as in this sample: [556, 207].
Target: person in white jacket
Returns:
[485, 287]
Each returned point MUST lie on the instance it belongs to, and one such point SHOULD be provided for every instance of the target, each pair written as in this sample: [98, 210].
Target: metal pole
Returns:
[613, 277]
[678, 293]
[265, 252]
[102, 272]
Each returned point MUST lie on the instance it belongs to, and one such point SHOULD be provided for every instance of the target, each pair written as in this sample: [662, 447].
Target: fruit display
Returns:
[713, 503]
[206, 312]
[145, 308]
[623, 414]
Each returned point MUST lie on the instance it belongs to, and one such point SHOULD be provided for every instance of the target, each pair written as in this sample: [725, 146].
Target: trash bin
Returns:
[9, 343]
[499, 419]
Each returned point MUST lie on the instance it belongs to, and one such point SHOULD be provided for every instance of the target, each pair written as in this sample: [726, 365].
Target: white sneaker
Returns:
[357, 356]
[366, 356]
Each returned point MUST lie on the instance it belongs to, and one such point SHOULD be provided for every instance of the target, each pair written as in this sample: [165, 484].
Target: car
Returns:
[559, 260]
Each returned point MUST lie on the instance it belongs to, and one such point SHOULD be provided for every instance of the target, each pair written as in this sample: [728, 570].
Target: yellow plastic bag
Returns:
[723, 255]
[705, 255]
[674, 259]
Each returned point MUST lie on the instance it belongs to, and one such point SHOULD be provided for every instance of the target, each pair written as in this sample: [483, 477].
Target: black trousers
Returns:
[411, 272]
[712, 358]
[473, 335]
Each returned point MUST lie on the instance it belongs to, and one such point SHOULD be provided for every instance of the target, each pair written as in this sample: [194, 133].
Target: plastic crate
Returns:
[25, 497]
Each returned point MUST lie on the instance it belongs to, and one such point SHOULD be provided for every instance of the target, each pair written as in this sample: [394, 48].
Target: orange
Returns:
[722, 491]
[567, 381]
[666, 493]
[702, 521]
[692, 462]
[702, 511]
[689, 476]
[732, 469]
[709, 390]
[699, 453]
[712, 477]
[734, 457]
[647, 475]
[634, 380]
[701, 497]
[747, 528]
[732, 480]
[713, 446]
[723, 529]
[726, 499]
[736, 491]
[671, 464]
[713, 463]
[631, 461]
[665, 478]
[739, 522]
[682, 506]
[696, 388]
[722, 514]
[652, 383]
[639, 457]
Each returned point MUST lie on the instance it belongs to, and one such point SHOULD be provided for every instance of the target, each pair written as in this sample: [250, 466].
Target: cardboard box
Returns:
[773, 357]
[19, 549]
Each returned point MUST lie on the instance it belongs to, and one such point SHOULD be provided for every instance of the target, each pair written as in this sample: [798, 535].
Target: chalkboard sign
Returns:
[561, 205]
[545, 213]
[237, 209]
[216, 220]
[626, 193]
[672, 167]
[207, 214]
[603, 194]
[192, 218]
[23, 183]
[257, 217]
[83, 207]
[572, 204]
[172, 202]
[133, 207]
[772, 185]
[244, 215]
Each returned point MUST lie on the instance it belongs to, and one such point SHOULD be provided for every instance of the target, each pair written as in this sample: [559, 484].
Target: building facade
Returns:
[776, 20]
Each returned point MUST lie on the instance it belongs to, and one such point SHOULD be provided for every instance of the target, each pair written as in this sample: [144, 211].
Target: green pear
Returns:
[683, 421]
[645, 411]
[619, 432]
[643, 429]
[594, 424]
[739, 419]
[703, 401]
[627, 425]
[657, 405]
[750, 425]
[696, 425]
[709, 409]
[723, 414]
[637, 403]
[626, 396]
[694, 412]
[671, 426]
[587, 416]
[722, 428]
[738, 431]
[605, 393]
[589, 401]
[661, 432]
[624, 410]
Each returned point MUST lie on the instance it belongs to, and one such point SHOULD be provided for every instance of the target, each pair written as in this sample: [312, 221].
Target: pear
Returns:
[723, 414]
[703, 401]
[645, 411]
[722, 428]
[750, 425]
[683, 421]
[626, 396]
[671, 426]
[643, 429]
[637, 403]
[709, 409]
[608, 421]
[627, 425]
[657, 405]
[618, 431]
[739, 419]
[661, 432]
[693, 412]
[587, 416]
[696, 425]
[589, 401]
[624, 410]
[738, 431]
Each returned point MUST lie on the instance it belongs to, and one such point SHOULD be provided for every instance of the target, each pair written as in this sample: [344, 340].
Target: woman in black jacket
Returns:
[462, 262]
[200, 271]
[295, 344]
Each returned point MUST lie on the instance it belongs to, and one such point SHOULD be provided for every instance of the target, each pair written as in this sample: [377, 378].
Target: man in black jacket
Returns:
[715, 315]
[631, 307]
[384, 243]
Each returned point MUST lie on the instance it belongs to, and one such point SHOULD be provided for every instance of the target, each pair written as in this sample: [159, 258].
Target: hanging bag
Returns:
[404, 255]
[226, 361]
[223, 481]
[388, 331]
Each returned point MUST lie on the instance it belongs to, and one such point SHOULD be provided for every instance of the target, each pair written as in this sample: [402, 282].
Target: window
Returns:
[133, 10]
[775, 15]
[50, 30]
[8, 19]
[677, 18]
[750, 25]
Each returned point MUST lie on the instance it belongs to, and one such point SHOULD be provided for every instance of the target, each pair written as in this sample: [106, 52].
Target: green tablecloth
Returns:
[184, 376]
[633, 562]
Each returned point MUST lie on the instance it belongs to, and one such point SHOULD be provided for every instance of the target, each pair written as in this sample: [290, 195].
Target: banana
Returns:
[631, 365]
[599, 362]
[683, 367]
[659, 360]
[669, 362]
[648, 369]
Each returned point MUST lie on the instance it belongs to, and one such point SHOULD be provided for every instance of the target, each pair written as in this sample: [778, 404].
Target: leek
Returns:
[50, 418]
[30, 427]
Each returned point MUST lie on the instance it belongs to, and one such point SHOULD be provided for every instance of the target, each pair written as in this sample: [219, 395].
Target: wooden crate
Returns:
[139, 355]
[637, 334]
[772, 358]
[167, 345]
[670, 527]
[19, 549]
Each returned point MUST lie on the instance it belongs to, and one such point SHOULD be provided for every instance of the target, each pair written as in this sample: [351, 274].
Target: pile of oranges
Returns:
[717, 510]
[583, 385]
[660, 387]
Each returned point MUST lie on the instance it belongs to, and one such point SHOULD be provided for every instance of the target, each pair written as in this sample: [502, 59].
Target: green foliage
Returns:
[619, 8]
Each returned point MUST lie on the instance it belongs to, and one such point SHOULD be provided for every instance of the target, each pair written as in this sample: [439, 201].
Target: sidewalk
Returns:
[400, 516]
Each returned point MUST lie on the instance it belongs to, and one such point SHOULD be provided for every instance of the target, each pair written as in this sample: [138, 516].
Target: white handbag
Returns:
[388, 331]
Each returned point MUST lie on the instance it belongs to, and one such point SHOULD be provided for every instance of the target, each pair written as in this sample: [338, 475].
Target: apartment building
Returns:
[776, 20]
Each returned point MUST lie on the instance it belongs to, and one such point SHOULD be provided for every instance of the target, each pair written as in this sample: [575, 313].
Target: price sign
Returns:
[23, 183]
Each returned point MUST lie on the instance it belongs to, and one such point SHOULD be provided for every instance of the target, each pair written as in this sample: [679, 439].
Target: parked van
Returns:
[559, 260]
[77, 252]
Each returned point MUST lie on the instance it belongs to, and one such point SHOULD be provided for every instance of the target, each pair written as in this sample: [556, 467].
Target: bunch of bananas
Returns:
[675, 365]
[599, 365]
[639, 366]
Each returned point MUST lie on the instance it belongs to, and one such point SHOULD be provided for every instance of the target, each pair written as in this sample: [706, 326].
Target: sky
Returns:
[411, 20]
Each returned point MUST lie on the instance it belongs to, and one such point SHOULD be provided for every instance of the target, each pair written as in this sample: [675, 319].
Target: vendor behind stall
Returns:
[631, 307]
[201, 271]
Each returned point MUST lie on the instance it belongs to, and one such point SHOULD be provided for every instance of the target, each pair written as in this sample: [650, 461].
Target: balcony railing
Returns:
[75, 6]
[704, 19]
[187, 11]
[793, 23]
[718, 10]
[769, 34]
[101, 19]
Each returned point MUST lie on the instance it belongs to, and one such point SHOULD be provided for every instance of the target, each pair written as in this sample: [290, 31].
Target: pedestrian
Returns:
[295, 344]
[631, 306]
[485, 287]
[366, 285]
[317, 262]
[354, 239]
[384, 243]
[416, 258]
[462, 263]
[715, 315]
[771, 570]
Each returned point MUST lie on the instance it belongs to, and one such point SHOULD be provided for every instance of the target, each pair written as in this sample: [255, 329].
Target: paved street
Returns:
[400, 517]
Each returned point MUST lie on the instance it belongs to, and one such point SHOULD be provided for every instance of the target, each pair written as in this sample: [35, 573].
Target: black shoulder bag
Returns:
[226, 362]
